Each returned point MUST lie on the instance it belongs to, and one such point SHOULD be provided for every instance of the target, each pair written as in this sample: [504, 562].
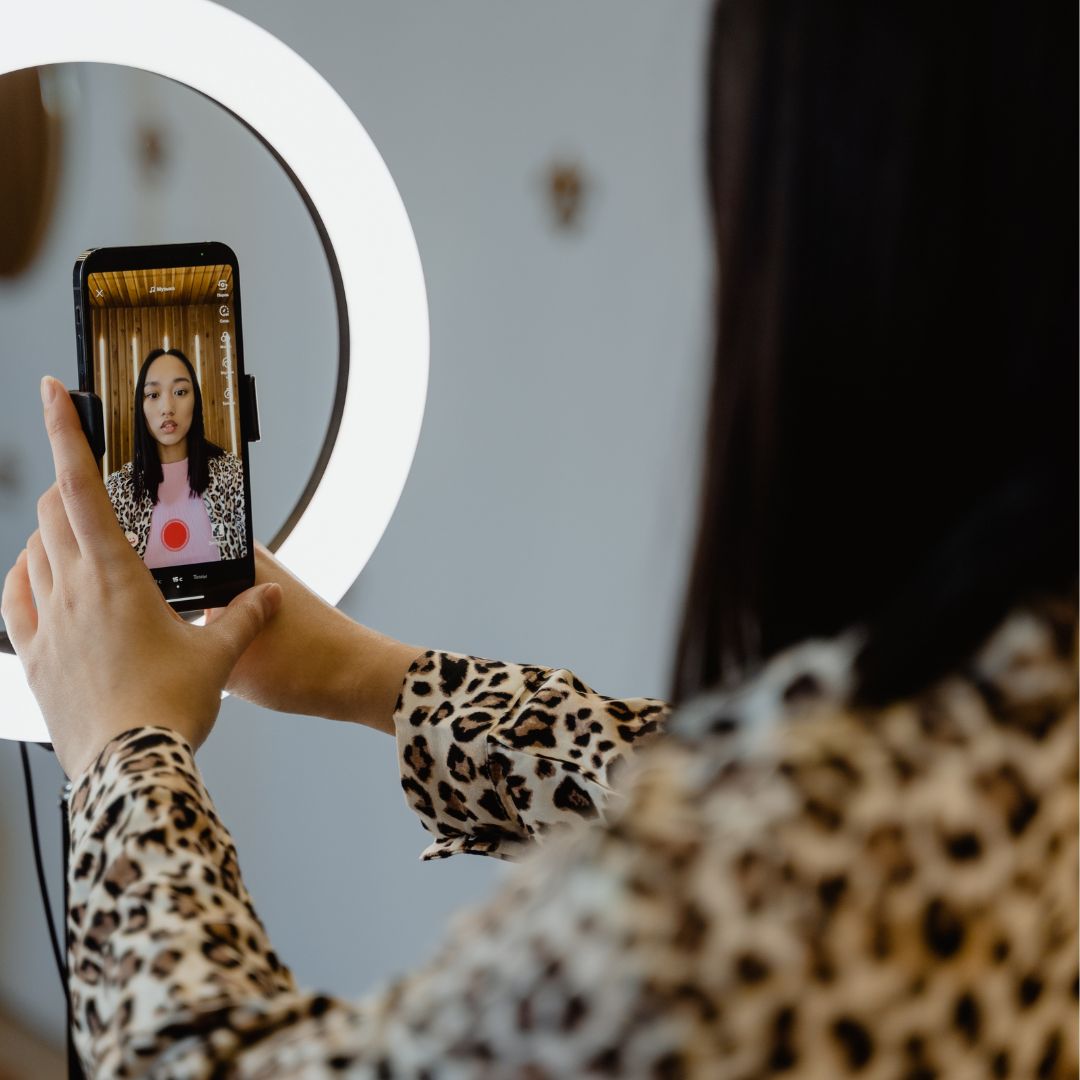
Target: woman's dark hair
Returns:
[146, 464]
[893, 433]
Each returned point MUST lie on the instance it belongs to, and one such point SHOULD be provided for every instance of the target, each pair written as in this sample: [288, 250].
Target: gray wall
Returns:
[548, 514]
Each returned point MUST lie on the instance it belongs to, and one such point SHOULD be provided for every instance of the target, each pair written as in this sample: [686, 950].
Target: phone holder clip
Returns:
[250, 420]
[92, 418]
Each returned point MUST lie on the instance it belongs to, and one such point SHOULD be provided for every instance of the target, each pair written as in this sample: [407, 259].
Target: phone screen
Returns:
[163, 353]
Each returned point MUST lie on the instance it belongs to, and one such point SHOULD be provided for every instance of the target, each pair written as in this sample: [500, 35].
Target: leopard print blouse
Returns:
[224, 500]
[777, 884]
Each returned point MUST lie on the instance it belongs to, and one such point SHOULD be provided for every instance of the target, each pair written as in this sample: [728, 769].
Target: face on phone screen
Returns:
[162, 346]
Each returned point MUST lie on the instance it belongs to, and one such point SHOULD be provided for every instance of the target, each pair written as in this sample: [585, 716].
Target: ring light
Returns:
[365, 232]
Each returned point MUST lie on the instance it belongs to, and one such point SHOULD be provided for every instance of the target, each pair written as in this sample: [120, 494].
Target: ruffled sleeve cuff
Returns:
[495, 755]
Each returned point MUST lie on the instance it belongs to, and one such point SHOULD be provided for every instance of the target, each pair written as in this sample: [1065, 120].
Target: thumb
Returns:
[236, 626]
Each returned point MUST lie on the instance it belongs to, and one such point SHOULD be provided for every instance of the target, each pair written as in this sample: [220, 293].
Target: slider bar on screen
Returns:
[178, 599]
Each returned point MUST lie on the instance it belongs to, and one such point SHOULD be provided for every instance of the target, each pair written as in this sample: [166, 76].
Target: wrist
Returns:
[372, 673]
[78, 761]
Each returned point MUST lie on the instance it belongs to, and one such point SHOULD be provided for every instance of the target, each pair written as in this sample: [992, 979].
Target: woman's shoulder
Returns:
[1031, 652]
[790, 785]
[226, 467]
[816, 675]
[1006, 713]
[859, 862]
[121, 478]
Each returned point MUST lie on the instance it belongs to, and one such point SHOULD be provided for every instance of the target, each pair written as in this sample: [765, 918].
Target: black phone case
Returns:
[91, 411]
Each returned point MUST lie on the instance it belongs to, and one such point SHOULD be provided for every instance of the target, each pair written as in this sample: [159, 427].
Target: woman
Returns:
[852, 849]
[180, 500]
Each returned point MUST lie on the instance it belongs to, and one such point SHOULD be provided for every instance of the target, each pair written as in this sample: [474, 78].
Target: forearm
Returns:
[313, 660]
[162, 933]
[365, 671]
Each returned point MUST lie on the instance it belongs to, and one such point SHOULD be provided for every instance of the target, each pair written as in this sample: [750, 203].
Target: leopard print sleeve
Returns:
[495, 755]
[162, 933]
[121, 490]
[173, 974]
[224, 499]
[788, 885]
[237, 518]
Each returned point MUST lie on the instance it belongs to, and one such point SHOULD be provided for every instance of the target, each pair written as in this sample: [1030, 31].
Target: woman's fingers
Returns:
[41, 579]
[17, 604]
[89, 511]
[237, 625]
[56, 535]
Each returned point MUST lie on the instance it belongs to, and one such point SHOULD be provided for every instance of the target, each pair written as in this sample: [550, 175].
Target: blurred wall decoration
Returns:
[31, 132]
[567, 187]
[150, 142]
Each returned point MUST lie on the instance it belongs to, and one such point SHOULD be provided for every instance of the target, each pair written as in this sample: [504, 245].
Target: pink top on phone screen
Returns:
[180, 530]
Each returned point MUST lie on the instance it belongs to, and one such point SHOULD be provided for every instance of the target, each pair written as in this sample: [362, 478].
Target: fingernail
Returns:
[48, 390]
[271, 597]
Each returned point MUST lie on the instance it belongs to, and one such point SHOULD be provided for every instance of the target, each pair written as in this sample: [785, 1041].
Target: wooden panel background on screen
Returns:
[129, 321]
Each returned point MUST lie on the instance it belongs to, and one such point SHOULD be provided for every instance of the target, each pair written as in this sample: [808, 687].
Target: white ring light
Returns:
[369, 242]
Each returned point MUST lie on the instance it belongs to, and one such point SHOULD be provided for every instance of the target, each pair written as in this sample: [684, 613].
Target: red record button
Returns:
[175, 534]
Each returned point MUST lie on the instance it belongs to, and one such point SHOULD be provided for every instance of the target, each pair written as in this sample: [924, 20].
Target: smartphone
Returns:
[159, 341]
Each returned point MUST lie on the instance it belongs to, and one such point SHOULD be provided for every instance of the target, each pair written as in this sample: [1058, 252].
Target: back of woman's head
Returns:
[893, 432]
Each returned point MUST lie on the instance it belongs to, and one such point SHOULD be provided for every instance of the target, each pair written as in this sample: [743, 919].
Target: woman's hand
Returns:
[314, 660]
[102, 650]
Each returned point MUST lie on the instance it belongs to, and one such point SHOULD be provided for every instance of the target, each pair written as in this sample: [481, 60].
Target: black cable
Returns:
[60, 966]
[75, 1069]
